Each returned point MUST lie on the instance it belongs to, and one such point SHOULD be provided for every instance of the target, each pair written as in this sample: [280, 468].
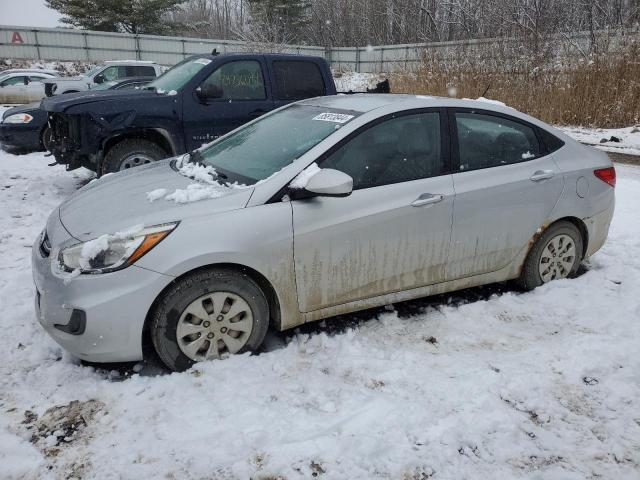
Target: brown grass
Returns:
[602, 92]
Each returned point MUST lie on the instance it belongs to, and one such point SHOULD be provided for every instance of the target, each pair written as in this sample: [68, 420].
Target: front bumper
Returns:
[20, 136]
[115, 306]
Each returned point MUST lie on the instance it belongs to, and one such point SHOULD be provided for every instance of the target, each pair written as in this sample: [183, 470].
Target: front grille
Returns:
[45, 245]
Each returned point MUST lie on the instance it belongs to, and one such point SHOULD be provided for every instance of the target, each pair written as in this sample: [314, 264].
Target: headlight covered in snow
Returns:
[109, 253]
[18, 118]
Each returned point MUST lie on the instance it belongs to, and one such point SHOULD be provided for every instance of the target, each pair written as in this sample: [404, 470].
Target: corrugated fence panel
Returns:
[81, 45]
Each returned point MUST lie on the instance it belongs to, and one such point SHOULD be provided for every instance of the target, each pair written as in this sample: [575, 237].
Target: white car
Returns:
[107, 72]
[23, 87]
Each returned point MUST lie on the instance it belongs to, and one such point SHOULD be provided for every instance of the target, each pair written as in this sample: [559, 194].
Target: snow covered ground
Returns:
[620, 140]
[488, 384]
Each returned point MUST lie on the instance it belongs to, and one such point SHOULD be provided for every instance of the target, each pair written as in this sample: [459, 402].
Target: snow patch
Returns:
[304, 176]
[154, 195]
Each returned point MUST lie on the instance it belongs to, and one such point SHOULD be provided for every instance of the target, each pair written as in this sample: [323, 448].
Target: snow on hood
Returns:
[115, 202]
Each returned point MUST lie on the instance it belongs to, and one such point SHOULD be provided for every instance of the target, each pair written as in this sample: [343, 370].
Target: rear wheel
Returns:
[555, 255]
[131, 153]
[209, 315]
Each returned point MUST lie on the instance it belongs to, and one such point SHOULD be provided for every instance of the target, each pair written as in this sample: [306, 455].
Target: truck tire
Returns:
[130, 153]
[209, 314]
[555, 255]
[45, 138]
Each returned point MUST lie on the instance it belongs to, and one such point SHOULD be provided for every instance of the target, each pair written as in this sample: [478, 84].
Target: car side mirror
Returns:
[208, 91]
[98, 78]
[328, 182]
[26, 80]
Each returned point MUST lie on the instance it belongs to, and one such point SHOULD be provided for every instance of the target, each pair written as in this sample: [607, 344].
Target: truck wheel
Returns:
[209, 315]
[131, 153]
[555, 255]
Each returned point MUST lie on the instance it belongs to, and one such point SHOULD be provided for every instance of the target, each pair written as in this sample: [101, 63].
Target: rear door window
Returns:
[486, 141]
[295, 80]
[140, 71]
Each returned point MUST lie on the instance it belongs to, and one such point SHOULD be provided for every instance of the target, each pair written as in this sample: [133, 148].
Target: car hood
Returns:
[59, 103]
[21, 109]
[116, 202]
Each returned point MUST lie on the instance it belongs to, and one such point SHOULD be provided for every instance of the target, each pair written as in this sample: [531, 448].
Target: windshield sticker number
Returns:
[333, 117]
[203, 61]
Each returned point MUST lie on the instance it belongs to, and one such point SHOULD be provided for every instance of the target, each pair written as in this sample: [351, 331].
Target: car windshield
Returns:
[91, 71]
[176, 77]
[263, 148]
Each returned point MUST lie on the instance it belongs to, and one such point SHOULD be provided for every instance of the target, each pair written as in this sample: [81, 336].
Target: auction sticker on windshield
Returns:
[333, 117]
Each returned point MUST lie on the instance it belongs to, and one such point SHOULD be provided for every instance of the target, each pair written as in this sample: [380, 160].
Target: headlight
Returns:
[109, 253]
[18, 118]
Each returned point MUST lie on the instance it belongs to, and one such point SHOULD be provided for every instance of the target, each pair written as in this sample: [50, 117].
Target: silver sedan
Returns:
[323, 207]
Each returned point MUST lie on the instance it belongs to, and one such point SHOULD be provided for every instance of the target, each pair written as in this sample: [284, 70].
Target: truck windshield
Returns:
[176, 77]
[260, 149]
[91, 71]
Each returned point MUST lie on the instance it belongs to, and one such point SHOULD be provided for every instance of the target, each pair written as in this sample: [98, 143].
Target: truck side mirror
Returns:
[208, 91]
[99, 78]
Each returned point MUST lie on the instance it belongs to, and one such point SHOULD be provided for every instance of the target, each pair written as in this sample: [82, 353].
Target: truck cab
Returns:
[195, 102]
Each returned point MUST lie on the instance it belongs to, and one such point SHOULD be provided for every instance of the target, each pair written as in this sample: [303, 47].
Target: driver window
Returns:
[241, 80]
[112, 73]
[398, 150]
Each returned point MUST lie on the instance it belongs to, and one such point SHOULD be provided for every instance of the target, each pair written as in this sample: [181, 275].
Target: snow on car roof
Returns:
[365, 102]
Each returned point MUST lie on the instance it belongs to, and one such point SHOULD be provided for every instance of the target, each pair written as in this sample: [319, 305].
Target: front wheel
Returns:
[555, 255]
[209, 315]
[131, 153]
[46, 138]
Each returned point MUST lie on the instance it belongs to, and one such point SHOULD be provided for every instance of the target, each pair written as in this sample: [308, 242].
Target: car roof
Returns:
[129, 62]
[366, 102]
[25, 74]
[29, 70]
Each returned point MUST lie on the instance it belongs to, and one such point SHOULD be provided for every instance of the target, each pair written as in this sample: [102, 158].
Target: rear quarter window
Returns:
[296, 79]
[550, 141]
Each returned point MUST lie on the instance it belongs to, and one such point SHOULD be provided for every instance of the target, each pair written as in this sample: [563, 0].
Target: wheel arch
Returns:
[582, 228]
[158, 136]
[264, 284]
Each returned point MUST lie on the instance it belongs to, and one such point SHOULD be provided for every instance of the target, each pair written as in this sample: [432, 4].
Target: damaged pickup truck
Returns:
[193, 103]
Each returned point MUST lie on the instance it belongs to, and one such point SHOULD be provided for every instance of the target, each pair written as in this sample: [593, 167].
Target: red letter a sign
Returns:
[16, 38]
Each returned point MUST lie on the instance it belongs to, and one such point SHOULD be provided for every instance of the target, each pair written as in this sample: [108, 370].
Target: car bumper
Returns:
[113, 305]
[598, 228]
[19, 137]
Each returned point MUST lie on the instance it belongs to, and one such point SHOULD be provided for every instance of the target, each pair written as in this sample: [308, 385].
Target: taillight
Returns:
[607, 175]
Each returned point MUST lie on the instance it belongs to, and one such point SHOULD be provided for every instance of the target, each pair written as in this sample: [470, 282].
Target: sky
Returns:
[31, 13]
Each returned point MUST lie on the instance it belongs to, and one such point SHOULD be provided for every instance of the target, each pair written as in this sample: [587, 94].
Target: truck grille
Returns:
[64, 131]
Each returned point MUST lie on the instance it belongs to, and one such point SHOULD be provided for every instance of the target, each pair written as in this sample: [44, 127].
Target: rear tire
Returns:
[235, 311]
[556, 254]
[131, 153]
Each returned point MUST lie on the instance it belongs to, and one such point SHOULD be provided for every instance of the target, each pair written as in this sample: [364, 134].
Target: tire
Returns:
[131, 153]
[175, 331]
[569, 239]
[45, 138]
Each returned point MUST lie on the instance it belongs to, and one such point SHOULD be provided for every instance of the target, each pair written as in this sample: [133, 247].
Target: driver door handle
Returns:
[427, 199]
[541, 175]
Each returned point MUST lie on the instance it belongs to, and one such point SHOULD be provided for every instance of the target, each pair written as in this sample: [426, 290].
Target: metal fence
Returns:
[60, 44]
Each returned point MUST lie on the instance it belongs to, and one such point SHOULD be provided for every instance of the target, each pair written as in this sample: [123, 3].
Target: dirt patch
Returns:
[61, 425]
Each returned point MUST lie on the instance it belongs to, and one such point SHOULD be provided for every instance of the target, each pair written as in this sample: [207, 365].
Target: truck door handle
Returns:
[427, 199]
[541, 175]
[257, 113]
